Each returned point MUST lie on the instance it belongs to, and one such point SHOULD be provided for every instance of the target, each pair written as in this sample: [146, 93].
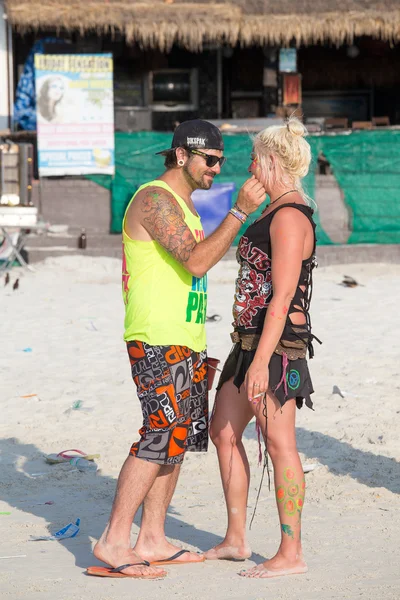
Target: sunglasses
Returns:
[253, 156]
[211, 160]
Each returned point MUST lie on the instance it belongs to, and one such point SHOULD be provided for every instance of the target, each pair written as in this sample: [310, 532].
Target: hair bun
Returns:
[296, 127]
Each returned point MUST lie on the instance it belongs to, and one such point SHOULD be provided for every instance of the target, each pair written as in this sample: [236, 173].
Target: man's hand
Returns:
[252, 194]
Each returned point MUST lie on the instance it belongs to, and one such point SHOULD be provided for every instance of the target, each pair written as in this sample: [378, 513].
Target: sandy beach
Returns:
[62, 342]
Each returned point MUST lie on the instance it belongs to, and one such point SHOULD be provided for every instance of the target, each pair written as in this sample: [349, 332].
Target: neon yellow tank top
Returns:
[164, 304]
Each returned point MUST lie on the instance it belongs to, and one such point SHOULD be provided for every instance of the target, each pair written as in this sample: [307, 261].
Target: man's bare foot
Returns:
[115, 556]
[225, 551]
[162, 551]
[278, 566]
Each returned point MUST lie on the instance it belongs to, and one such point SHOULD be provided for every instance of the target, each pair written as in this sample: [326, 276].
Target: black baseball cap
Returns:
[196, 134]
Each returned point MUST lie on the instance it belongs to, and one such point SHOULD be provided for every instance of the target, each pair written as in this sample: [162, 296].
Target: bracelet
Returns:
[238, 215]
[240, 210]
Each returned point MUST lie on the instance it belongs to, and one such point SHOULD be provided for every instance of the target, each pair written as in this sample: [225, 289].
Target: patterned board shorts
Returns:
[171, 384]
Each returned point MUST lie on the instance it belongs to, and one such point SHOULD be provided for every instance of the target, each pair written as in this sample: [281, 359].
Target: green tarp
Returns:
[365, 164]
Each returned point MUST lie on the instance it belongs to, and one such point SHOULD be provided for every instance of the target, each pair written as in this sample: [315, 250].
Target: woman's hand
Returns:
[256, 381]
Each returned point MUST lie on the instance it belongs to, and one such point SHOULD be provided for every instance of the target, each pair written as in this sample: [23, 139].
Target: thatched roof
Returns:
[160, 23]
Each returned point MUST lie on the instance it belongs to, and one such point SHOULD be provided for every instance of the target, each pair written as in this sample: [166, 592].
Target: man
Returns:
[166, 259]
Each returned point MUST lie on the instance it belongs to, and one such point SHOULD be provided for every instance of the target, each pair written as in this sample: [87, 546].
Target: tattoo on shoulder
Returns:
[164, 220]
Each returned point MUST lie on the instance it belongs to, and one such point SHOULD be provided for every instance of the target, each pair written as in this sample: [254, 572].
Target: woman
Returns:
[50, 95]
[266, 374]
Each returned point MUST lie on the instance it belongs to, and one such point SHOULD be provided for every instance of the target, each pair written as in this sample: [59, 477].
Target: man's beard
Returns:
[200, 183]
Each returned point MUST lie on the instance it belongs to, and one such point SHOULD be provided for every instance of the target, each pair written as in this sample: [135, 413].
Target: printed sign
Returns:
[291, 89]
[288, 60]
[75, 113]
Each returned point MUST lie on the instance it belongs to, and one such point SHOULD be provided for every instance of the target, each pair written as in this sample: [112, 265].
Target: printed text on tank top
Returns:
[253, 292]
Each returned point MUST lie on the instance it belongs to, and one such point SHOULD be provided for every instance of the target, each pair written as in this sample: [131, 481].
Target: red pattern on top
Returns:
[253, 285]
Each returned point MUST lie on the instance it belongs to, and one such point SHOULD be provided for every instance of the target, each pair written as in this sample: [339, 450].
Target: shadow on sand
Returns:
[72, 491]
[373, 470]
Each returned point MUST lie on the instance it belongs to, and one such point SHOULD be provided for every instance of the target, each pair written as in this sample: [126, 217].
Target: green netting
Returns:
[366, 166]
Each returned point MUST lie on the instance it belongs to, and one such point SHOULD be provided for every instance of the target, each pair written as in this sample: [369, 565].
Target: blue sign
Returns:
[288, 60]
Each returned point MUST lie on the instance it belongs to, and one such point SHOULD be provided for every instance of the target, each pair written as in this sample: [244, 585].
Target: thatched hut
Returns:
[219, 60]
[162, 23]
[348, 51]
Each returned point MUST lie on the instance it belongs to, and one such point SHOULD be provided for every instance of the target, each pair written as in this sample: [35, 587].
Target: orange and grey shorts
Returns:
[171, 385]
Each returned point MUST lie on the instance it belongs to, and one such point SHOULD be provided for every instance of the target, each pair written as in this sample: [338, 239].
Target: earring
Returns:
[181, 162]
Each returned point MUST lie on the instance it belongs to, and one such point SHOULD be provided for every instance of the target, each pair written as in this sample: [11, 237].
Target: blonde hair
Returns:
[290, 150]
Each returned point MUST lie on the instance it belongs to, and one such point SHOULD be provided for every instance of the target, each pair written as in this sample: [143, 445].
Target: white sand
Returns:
[70, 314]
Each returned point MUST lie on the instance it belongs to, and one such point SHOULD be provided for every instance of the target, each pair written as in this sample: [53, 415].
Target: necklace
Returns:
[278, 198]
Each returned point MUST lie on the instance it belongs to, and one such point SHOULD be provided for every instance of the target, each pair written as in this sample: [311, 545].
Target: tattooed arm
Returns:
[160, 214]
[163, 218]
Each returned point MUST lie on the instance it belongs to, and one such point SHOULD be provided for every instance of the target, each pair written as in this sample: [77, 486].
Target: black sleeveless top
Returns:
[253, 292]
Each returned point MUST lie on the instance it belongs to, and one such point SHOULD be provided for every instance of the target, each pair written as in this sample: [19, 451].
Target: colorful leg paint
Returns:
[290, 496]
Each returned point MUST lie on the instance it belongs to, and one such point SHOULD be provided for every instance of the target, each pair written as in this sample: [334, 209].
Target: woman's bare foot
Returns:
[162, 551]
[278, 566]
[226, 551]
[115, 556]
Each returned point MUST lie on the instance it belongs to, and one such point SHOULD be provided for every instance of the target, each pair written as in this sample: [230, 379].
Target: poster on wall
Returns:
[291, 87]
[288, 60]
[75, 114]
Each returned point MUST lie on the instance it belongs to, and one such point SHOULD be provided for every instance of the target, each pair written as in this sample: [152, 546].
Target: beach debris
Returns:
[5, 513]
[69, 531]
[349, 281]
[84, 465]
[337, 390]
[343, 393]
[378, 440]
[78, 405]
[82, 240]
[7, 279]
[213, 318]
[30, 396]
[26, 349]
[92, 327]
[16, 556]
[69, 455]
[37, 503]
[16, 284]
[309, 468]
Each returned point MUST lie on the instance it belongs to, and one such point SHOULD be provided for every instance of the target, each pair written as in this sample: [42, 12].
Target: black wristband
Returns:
[240, 210]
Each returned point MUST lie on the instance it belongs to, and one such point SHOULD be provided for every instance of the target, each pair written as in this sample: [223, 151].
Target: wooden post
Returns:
[6, 71]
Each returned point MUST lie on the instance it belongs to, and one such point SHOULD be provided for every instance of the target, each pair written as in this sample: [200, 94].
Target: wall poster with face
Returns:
[75, 114]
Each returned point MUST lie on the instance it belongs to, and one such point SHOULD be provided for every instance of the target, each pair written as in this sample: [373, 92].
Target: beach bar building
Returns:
[239, 63]
[217, 59]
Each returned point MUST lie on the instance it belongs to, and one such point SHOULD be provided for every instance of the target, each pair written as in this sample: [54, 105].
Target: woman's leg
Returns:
[279, 431]
[231, 415]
